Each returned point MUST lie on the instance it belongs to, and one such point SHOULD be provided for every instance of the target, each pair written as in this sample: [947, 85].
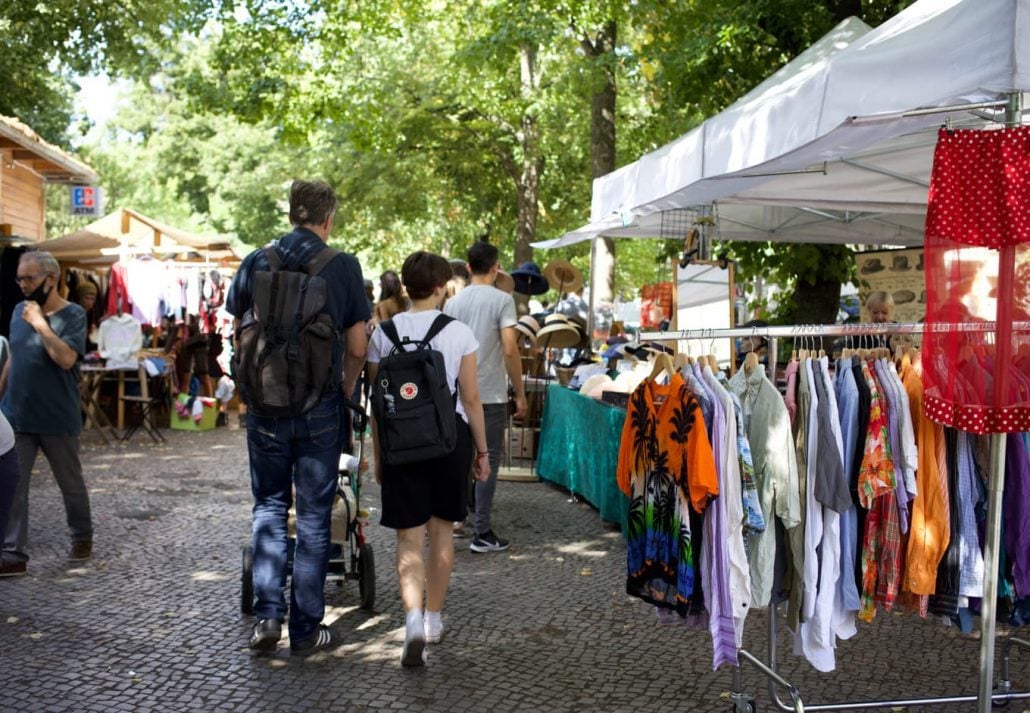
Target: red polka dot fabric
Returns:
[977, 269]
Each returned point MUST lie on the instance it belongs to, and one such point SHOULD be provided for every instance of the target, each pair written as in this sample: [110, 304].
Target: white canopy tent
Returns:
[833, 147]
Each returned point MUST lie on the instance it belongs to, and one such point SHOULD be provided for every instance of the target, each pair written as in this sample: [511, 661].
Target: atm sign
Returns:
[86, 200]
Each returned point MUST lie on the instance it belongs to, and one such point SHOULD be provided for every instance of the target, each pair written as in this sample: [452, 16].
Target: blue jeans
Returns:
[286, 454]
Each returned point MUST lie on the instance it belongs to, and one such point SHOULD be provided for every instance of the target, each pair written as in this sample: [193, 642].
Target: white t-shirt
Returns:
[454, 342]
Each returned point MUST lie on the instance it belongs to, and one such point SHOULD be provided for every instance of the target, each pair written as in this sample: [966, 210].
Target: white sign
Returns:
[87, 200]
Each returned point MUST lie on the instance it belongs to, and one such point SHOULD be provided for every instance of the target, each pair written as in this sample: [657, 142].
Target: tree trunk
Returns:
[527, 184]
[602, 151]
[817, 304]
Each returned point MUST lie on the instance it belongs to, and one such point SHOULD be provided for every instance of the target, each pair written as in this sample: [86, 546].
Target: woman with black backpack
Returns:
[427, 495]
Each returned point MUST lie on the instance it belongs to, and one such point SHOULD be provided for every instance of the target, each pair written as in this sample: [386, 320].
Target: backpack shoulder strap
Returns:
[322, 258]
[390, 330]
[272, 254]
[441, 321]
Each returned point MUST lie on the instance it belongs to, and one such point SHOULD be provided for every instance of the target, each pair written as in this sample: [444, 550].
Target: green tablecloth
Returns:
[579, 449]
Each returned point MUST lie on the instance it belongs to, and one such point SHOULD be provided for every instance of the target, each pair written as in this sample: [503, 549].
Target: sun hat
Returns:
[528, 327]
[504, 282]
[529, 280]
[595, 381]
[563, 276]
[558, 333]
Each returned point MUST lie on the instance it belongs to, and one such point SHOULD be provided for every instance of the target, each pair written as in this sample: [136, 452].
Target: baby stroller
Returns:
[350, 556]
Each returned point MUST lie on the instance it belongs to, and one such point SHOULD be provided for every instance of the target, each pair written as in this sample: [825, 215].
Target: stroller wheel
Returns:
[367, 577]
[247, 581]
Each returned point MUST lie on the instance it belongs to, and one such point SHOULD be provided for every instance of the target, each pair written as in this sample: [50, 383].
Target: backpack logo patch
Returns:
[409, 391]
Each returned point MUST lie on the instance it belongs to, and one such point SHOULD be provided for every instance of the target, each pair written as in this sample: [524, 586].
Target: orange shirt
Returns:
[929, 531]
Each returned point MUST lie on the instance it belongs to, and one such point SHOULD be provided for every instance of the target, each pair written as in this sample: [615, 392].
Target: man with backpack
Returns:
[299, 346]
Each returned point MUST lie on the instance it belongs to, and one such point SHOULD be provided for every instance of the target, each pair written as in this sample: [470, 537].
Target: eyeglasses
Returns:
[22, 279]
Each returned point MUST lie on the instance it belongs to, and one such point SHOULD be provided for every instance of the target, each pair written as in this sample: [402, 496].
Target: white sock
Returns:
[433, 621]
[413, 624]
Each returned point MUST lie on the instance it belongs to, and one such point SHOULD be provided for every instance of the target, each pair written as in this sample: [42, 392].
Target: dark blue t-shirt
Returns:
[346, 303]
[41, 396]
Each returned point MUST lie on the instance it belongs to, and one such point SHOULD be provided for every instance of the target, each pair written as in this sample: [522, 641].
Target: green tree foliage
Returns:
[46, 43]
[438, 122]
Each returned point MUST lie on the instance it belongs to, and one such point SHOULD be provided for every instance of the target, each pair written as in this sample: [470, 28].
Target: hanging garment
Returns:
[945, 600]
[767, 424]
[665, 467]
[790, 398]
[754, 520]
[119, 341]
[796, 536]
[728, 528]
[928, 531]
[979, 198]
[891, 406]
[1016, 508]
[847, 409]
[971, 560]
[881, 540]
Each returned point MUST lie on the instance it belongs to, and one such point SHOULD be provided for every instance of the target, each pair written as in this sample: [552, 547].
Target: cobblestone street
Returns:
[153, 622]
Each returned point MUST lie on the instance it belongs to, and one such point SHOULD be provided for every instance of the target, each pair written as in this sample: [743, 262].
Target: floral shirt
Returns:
[666, 467]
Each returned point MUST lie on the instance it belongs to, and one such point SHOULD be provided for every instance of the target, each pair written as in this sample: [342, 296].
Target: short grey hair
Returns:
[880, 297]
[48, 264]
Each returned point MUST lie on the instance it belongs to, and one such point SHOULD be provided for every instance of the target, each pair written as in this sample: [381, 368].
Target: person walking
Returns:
[391, 297]
[490, 313]
[430, 495]
[41, 399]
[300, 453]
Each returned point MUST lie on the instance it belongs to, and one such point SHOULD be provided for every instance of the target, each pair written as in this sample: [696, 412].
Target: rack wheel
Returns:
[247, 581]
[367, 577]
[744, 708]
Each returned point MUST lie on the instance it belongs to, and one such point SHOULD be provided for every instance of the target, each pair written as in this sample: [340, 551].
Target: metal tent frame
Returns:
[987, 693]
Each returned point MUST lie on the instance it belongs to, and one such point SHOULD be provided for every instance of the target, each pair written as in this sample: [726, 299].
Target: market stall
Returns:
[839, 149]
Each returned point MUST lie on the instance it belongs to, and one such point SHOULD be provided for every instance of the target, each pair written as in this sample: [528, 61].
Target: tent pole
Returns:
[593, 290]
[996, 483]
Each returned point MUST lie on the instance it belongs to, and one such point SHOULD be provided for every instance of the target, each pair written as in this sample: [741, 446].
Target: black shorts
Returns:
[414, 492]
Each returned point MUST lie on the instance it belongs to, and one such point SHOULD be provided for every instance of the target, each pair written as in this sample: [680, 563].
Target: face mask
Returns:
[40, 294]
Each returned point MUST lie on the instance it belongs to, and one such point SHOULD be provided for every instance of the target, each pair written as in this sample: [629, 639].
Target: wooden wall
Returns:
[21, 200]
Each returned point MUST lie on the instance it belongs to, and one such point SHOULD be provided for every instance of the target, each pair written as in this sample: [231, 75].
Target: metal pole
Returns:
[593, 291]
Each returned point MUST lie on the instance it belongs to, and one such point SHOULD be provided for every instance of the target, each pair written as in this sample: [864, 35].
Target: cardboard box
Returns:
[207, 419]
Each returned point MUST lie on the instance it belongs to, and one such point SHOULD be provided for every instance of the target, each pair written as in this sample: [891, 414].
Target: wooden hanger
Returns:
[750, 363]
[662, 362]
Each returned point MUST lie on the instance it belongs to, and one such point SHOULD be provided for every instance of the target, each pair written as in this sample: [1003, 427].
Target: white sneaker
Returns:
[434, 633]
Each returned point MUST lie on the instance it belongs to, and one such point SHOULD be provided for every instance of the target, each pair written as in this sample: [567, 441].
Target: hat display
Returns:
[900, 263]
[597, 381]
[504, 282]
[902, 297]
[872, 265]
[563, 276]
[528, 327]
[529, 280]
[558, 333]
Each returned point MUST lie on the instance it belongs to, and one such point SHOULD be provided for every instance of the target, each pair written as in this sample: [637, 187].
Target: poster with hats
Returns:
[898, 273]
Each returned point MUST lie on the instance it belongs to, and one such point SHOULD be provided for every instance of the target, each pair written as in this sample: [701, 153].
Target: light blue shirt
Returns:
[847, 408]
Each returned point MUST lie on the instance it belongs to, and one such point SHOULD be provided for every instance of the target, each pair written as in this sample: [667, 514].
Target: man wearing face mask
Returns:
[40, 389]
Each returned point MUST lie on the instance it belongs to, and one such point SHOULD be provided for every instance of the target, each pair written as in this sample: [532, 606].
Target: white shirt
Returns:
[6, 435]
[119, 341]
[731, 496]
[454, 341]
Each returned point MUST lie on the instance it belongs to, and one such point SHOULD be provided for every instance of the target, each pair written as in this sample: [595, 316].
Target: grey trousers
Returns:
[62, 452]
[495, 415]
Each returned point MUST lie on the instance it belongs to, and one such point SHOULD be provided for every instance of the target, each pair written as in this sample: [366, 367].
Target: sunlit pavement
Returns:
[153, 622]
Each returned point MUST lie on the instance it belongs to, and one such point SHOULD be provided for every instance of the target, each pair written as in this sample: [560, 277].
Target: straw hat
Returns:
[563, 276]
[558, 333]
[528, 327]
[597, 381]
[529, 280]
[504, 282]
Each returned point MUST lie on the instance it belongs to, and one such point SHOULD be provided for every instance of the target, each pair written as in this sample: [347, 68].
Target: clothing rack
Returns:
[988, 692]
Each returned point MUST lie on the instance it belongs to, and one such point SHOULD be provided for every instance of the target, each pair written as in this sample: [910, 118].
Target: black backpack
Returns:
[285, 341]
[412, 401]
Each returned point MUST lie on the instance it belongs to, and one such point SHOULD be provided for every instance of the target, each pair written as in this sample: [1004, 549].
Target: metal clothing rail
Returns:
[992, 544]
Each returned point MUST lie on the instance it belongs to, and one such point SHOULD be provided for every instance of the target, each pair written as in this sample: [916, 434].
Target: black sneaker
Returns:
[321, 639]
[488, 542]
[267, 633]
[13, 568]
